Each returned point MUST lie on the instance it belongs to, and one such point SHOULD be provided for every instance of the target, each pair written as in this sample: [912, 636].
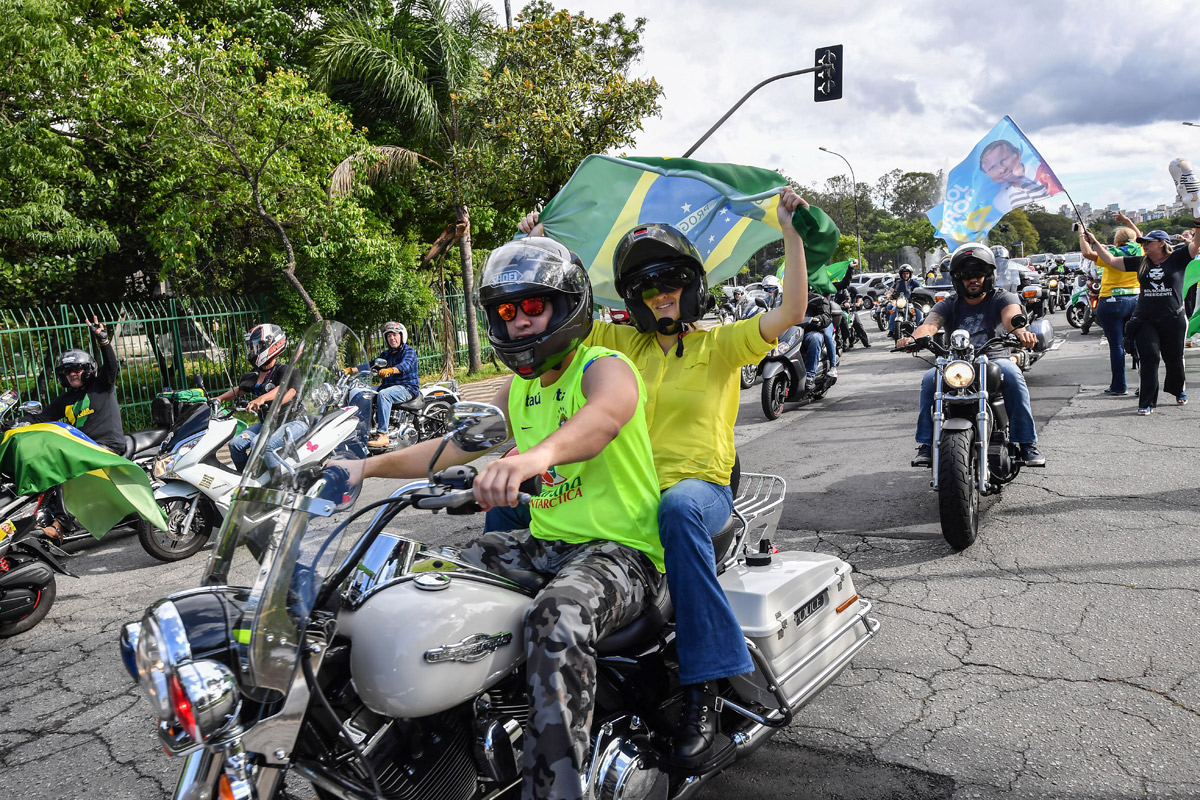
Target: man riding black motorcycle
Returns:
[814, 325]
[848, 298]
[903, 287]
[264, 344]
[400, 383]
[979, 308]
[90, 404]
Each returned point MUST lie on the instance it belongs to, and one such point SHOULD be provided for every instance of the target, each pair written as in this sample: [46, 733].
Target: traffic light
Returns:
[828, 83]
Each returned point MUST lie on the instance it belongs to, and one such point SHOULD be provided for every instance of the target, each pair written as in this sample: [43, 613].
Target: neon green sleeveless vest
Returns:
[613, 496]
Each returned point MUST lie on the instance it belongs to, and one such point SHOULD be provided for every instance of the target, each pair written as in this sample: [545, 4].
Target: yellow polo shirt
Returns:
[691, 400]
[1124, 282]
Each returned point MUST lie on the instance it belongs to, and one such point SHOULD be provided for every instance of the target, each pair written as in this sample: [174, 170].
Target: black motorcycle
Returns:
[972, 452]
[785, 379]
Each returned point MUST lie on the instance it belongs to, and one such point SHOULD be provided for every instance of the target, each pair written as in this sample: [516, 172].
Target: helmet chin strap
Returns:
[669, 327]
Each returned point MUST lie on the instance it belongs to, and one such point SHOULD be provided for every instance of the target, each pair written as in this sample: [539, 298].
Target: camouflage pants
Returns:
[587, 591]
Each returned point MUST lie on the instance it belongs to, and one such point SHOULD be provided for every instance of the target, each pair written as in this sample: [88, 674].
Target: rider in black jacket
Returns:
[90, 404]
[847, 298]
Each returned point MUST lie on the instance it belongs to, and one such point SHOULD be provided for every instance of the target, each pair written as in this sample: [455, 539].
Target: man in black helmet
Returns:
[592, 548]
[90, 404]
[979, 308]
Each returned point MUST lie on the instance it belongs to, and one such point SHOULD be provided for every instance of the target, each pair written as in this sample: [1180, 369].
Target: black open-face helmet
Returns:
[72, 360]
[903, 269]
[656, 257]
[968, 258]
[536, 267]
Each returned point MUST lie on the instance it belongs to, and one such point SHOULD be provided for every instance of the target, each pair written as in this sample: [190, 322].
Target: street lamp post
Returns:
[1192, 124]
[854, 189]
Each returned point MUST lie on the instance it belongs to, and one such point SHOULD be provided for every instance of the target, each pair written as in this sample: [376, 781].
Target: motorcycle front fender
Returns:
[175, 490]
[958, 424]
[772, 365]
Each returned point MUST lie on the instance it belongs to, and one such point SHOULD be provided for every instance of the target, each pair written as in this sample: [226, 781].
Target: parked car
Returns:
[1038, 260]
[873, 284]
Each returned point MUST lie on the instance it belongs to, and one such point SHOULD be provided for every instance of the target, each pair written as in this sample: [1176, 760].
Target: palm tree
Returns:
[411, 69]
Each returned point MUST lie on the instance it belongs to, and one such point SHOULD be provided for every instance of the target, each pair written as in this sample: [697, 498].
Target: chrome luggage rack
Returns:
[759, 505]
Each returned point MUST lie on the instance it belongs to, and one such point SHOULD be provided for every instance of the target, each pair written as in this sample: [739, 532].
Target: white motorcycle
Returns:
[195, 489]
[374, 666]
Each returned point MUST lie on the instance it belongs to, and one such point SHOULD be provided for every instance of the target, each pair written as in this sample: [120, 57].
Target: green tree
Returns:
[48, 231]
[1054, 231]
[1015, 227]
[412, 68]
[897, 233]
[558, 91]
[914, 194]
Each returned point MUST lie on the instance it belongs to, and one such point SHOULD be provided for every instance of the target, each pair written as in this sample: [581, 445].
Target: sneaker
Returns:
[1181, 399]
[924, 456]
[832, 372]
[379, 441]
[1144, 412]
[1115, 393]
[1031, 456]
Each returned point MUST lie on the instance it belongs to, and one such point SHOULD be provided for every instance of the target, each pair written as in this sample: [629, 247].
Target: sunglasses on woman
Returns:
[532, 306]
[665, 279]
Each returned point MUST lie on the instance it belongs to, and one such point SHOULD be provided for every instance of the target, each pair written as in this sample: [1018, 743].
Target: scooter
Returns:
[423, 417]
[785, 378]
[195, 490]
[374, 666]
[972, 453]
[1081, 312]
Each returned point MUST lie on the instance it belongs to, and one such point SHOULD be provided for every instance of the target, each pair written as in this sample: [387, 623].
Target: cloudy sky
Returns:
[1100, 87]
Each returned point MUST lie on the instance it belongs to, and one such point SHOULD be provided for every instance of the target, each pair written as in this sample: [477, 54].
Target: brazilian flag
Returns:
[726, 210]
[99, 487]
[1190, 278]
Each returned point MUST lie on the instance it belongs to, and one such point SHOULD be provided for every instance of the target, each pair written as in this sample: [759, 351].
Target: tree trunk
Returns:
[508, 14]
[290, 269]
[474, 361]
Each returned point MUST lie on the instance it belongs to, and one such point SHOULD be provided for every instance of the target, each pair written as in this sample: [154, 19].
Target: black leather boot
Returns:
[697, 727]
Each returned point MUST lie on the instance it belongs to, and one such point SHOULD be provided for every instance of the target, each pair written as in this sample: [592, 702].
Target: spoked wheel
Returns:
[1075, 316]
[39, 600]
[774, 391]
[749, 375]
[958, 493]
[175, 544]
[881, 321]
[438, 414]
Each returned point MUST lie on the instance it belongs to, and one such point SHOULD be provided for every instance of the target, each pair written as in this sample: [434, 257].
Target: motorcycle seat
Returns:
[642, 630]
[145, 439]
[416, 404]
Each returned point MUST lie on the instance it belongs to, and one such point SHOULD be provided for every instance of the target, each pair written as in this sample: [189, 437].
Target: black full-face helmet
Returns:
[72, 360]
[970, 257]
[658, 257]
[536, 267]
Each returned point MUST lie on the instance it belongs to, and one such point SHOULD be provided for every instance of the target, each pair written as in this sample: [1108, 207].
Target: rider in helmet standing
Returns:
[979, 308]
[264, 343]
[399, 384]
[90, 404]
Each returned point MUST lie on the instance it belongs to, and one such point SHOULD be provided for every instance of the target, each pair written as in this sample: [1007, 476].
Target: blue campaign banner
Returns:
[1003, 172]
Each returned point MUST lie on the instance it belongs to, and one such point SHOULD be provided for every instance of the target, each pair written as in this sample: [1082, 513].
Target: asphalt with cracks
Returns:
[1052, 659]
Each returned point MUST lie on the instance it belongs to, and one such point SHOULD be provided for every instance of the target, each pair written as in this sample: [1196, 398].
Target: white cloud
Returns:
[1099, 92]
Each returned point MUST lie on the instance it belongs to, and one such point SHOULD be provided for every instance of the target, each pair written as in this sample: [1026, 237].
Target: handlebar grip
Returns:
[531, 486]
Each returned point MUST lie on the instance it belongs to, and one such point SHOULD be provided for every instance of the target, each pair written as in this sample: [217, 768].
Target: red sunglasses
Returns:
[532, 306]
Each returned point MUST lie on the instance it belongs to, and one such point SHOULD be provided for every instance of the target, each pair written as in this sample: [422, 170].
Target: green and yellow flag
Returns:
[99, 487]
[726, 210]
[1190, 278]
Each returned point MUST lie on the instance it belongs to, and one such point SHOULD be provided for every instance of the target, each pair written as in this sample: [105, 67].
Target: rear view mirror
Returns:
[476, 427]
[761, 303]
[31, 408]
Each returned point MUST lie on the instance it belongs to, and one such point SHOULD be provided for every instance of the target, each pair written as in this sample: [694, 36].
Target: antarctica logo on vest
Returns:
[559, 492]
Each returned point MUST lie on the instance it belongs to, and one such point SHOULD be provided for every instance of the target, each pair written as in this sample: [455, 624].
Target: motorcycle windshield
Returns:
[281, 538]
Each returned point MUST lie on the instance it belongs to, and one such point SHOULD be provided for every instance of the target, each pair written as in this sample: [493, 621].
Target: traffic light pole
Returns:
[829, 86]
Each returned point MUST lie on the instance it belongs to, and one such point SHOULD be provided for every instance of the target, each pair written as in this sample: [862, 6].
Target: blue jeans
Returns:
[1016, 402]
[361, 400]
[385, 400]
[811, 350]
[830, 345]
[708, 639]
[1112, 313]
[239, 448]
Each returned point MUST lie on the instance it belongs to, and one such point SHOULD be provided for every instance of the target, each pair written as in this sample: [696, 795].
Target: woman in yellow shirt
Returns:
[1118, 298]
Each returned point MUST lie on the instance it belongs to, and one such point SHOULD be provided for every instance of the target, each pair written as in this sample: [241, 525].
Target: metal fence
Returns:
[159, 343]
[171, 342]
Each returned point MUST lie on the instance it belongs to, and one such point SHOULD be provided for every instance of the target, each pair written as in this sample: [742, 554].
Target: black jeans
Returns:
[1162, 337]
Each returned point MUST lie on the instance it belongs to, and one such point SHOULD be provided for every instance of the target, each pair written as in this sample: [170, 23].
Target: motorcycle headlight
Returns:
[204, 698]
[958, 374]
[161, 647]
[925, 309]
[1053, 283]
[901, 302]
[164, 466]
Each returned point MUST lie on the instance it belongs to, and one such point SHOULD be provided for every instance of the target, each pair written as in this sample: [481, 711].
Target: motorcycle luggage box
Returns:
[789, 609]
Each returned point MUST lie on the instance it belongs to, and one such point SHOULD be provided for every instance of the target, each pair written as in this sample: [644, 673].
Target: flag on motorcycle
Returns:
[726, 210]
[1190, 278]
[831, 272]
[99, 487]
[1003, 172]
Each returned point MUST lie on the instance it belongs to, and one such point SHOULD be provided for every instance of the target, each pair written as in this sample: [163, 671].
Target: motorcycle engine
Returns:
[625, 767]
[407, 435]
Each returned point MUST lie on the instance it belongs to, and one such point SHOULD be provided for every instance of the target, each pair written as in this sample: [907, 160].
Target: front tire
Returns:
[958, 492]
[749, 375]
[45, 599]
[175, 544]
[1075, 315]
[774, 391]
